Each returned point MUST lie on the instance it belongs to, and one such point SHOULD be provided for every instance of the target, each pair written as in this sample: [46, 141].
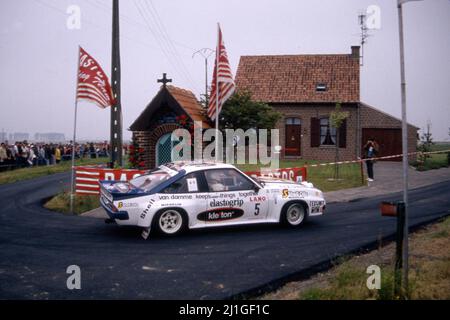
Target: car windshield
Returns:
[148, 181]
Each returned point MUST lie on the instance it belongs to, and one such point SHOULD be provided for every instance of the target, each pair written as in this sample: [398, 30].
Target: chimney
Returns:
[355, 52]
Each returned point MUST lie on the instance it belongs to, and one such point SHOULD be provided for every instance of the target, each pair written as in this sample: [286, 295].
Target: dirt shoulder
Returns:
[429, 272]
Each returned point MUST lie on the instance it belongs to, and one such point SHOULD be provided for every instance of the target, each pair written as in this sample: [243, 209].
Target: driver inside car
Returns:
[215, 181]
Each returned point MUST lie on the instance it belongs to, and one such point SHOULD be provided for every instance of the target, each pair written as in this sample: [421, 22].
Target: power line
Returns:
[168, 40]
[167, 49]
[154, 35]
[165, 44]
[63, 12]
[130, 20]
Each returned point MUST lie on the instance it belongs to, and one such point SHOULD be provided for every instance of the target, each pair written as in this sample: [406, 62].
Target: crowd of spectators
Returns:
[25, 154]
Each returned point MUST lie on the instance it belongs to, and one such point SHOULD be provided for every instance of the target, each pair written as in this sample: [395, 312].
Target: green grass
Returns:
[440, 146]
[322, 177]
[428, 278]
[61, 203]
[434, 161]
[34, 172]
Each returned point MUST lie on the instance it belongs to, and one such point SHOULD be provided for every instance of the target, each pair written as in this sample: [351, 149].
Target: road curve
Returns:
[37, 246]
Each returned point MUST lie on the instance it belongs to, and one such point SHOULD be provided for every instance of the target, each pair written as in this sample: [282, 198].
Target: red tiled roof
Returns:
[189, 103]
[178, 99]
[293, 78]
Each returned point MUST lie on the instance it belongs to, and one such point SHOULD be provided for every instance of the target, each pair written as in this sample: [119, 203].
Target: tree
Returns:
[241, 112]
[337, 118]
[426, 141]
[204, 101]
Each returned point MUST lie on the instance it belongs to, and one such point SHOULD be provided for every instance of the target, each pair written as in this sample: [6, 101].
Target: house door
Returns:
[293, 137]
[164, 148]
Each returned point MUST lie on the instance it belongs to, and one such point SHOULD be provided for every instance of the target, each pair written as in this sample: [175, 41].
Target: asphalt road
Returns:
[36, 247]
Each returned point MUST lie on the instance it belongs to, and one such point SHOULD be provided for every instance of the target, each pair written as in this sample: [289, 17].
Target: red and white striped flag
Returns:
[222, 82]
[93, 84]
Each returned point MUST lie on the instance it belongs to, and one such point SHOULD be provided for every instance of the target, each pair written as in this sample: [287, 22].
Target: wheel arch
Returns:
[287, 204]
[157, 212]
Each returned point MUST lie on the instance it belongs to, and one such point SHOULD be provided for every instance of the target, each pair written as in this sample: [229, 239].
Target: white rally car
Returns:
[179, 196]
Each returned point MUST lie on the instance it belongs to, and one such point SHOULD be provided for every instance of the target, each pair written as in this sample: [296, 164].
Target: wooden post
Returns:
[361, 165]
[116, 109]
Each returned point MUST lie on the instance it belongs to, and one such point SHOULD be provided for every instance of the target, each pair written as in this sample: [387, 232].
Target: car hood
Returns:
[279, 185]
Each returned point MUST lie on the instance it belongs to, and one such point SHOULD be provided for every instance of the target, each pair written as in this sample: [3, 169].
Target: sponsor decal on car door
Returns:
[187, 193]
[233, 197]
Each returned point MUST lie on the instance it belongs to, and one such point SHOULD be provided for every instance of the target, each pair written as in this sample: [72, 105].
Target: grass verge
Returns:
[434, 161]
[35, 172]
[429, 272]
[61, 203]
[322, 177]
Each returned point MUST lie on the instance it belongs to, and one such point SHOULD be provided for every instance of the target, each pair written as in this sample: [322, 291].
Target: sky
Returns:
[38, 53]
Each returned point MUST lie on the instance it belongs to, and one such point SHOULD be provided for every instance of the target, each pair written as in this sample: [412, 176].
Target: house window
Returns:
[293, 121]
[321, 87]
[327, 133]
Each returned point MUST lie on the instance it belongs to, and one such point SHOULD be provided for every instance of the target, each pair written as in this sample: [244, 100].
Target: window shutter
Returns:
[315, 132]
[343, 134]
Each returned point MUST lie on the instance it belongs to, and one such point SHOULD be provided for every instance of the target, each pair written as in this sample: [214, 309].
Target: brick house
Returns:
[170, 109]
[305, 89]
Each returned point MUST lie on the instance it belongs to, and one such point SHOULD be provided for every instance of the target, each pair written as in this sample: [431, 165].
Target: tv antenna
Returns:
[362, 18]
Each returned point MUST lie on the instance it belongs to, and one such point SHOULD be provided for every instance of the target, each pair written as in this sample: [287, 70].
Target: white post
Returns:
[72, 179]
[217, 92]
[404, 147]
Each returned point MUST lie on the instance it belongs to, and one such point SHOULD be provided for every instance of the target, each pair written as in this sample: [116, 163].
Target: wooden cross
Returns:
[164, 80]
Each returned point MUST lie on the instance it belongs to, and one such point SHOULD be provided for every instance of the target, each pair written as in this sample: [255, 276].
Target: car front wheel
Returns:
[170, 222]
[294, 215]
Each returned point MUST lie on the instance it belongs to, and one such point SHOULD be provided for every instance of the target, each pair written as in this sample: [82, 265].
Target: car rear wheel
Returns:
[170, 222]
[294, 214]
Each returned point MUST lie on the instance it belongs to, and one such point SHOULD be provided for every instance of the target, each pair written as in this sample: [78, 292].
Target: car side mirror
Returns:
[256, 188]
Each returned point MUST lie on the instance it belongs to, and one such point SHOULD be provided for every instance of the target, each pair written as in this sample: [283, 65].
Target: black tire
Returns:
[294, 214]
[170, 221]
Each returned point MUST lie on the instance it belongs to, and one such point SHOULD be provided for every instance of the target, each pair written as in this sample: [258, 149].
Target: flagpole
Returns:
[217, 91]
[72, 182]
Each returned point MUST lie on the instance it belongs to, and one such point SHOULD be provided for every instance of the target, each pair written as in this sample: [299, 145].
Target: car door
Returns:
[234, 197]
[188, 193]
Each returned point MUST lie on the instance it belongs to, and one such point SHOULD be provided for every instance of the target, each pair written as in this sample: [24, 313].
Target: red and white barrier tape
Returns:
[371, 159]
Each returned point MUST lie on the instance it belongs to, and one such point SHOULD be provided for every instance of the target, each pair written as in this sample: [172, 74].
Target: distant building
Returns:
[18, 136]
[3, 136]
[49, 137]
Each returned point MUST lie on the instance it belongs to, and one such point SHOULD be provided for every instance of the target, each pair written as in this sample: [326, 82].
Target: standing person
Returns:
[48, 154]
[92, 151]
[52, 154]
[41, 153]
[3, 157]
[24, 154]
[57, 154]
[370, 151]
[9, 152]
[17, 154]
[81, 150]
[31, 156]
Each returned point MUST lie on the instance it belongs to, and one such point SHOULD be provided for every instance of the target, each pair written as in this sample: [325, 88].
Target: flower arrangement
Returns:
[135, 158]
[185, 123]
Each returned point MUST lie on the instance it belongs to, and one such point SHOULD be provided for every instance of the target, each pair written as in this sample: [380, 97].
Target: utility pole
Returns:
[116, 108]
[404, 144]
[205, 53]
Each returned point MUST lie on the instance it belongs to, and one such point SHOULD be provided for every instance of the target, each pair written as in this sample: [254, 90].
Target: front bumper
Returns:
[119, 215]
